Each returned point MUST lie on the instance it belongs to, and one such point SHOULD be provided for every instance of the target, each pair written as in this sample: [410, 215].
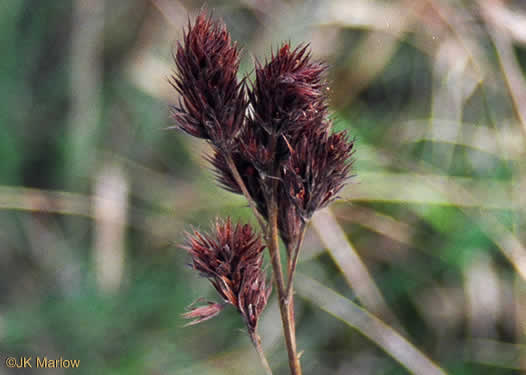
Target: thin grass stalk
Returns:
[256, 341]
[293, 261]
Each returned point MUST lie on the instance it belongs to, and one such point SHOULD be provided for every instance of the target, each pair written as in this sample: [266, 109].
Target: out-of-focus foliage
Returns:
[95, 194]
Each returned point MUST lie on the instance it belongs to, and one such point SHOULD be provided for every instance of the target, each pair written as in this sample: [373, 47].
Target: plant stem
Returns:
[242, 186]
[291, 268]
[293, 261]
[286, 317]
[256, 340]
[273, 245]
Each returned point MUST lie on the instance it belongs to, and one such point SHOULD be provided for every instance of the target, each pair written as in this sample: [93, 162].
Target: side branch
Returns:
[293, 261]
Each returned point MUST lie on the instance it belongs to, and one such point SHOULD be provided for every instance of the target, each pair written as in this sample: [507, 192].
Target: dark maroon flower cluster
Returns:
[271, 142]
[231, 258]
[287, 139]
[213, 103]
[281, 146]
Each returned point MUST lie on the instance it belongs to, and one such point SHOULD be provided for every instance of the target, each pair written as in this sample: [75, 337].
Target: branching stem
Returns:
[286, 316]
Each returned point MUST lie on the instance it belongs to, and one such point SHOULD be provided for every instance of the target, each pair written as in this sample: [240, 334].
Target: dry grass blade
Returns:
[495, 353]
[173, 11]
[430, 189]
[472, 136]
[511, 20]
[506, 241]
[27, 199]
[368, 59]
[86, 78]
[384, 336]
[161, 226]
[350, 263]
[110, 209]
[365, 14]
[519, 290]
[509, 65]
[379, 223]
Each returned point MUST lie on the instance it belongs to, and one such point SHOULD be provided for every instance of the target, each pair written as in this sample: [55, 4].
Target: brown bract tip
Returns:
[202, 313]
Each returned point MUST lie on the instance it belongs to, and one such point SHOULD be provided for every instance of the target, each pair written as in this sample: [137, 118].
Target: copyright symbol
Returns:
[10, 362]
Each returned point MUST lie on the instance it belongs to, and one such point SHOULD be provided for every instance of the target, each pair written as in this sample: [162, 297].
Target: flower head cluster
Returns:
[271, 141]
[231, 258]
[282, 145]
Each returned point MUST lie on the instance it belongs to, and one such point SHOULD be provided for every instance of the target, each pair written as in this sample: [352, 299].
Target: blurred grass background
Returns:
[95, 195]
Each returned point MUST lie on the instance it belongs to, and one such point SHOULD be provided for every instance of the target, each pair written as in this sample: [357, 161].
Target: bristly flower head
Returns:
[317, 171]
[213, 103]
[287, 138]
[289, 92]
[231, 258]
[282, 148]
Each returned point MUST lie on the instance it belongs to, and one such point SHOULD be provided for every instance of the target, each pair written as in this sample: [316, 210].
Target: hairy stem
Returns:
[256, 340]
[286, 317]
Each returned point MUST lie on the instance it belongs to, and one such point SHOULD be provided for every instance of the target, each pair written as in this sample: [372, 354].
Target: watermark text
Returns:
[41, 362]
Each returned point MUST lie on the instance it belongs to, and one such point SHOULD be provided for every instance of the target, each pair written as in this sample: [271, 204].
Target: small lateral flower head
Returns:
[231, 257]
[212, 104]
[317, 170]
